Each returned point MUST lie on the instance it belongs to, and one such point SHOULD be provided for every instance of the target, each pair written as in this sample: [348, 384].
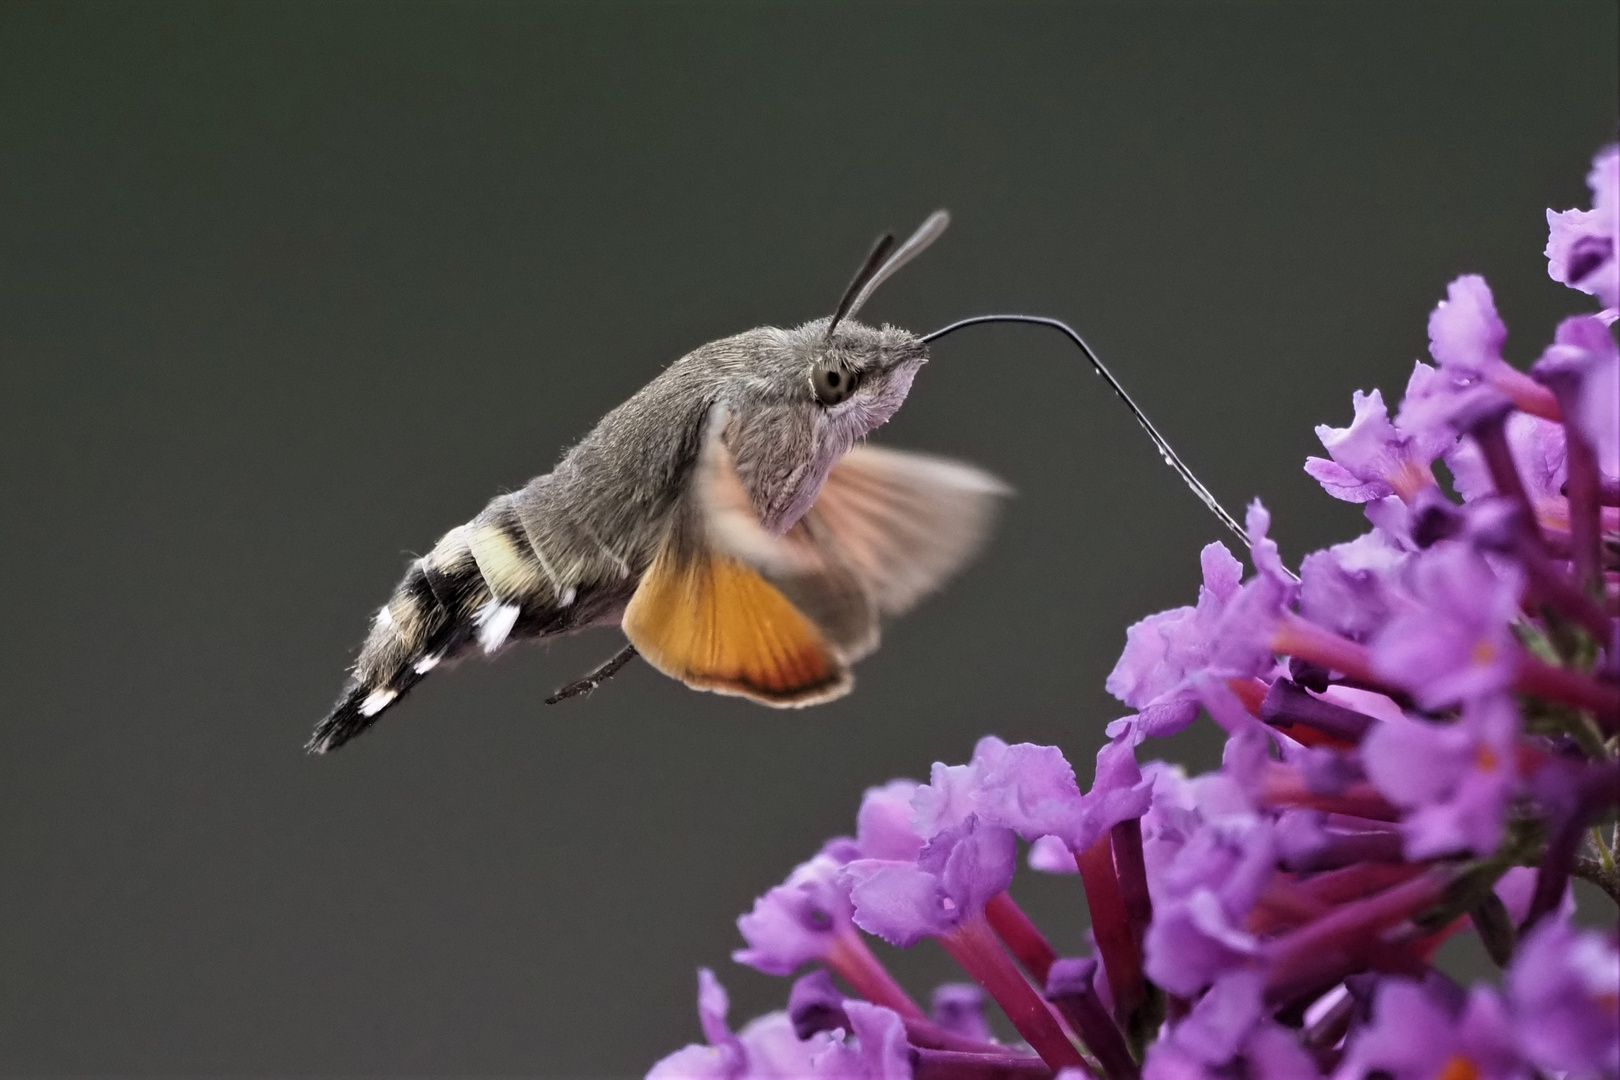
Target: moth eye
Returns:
[832, 382]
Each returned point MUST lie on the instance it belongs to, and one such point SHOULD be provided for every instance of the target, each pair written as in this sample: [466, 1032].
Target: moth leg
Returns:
[596, 678]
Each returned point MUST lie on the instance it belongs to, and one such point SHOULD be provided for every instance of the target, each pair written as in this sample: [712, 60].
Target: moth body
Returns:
[719, 515]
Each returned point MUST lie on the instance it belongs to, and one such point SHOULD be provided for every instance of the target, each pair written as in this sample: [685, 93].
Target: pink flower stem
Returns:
[1130, 870]
[1526, 394]
[972, 944]
[1585, 528]
[931, 1035]
[1489, 430]
[1074, 992]
[854, 962]
[1553, 587]
[955, 1065]
[1299, 637]
[1540, 679]
[1021, 936]
[1111, 926]
[1283, 785]
[1329, 947]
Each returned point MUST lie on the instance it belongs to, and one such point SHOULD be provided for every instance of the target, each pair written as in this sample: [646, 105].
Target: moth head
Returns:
[856, 368]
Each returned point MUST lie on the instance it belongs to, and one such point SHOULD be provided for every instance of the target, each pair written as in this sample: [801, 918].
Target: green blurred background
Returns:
[286, 290]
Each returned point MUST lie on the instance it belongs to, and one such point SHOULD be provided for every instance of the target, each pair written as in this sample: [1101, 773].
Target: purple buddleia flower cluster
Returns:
[1422, 739]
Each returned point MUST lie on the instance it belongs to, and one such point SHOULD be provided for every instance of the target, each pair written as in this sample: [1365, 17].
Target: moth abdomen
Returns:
[484, 583]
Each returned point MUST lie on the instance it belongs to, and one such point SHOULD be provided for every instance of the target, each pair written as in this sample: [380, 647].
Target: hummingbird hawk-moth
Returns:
[728, 517]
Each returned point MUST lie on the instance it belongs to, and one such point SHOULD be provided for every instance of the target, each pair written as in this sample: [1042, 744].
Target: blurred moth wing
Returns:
[729, 607]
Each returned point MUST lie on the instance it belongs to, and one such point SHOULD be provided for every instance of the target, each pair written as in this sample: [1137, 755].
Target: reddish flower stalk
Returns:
[1111, 926]
[1322, 950]
[973, 946]
[955, 1065]
[1526, 394]
[1489, 431]
[1540, 679]
[1021, 936]
[1284, 786]
[1130, 870]
[931, 1035]
[1299, 637]
[1356, 882]
[1073, 990]
[1583, 487]
[1250, 691]
[855, 964]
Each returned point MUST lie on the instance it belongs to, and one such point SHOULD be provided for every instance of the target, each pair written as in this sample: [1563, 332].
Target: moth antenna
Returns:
[873, 263]
[929, 231]
[1166, 451]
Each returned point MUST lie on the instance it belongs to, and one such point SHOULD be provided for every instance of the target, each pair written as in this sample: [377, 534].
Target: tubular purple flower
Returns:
[1372, 459]
[1119, 793]
[1564, 986]
[879, 1050]
[798, 921]
[808, 918]
[883, 827]
[1455, 642]
[974, 947]
[954, 874]
[1228, 1033]
[1203, 902]
[1161, 650]
[1027, 788]
[1288, 705]
[1246, 637]
[1581, 243]
[1455, 780]
[1465, 339]
[768, 1047]
[1337, 944]
[1117, 942]
[1351, 588]
[1414, 1036]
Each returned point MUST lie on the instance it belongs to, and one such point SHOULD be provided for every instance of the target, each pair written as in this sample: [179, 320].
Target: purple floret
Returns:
[1416, 1036]
[959, 869]
[798, 921]
[1372, 459]
[1564, 986]
[1455, 780]
[1161, 650]
[1454, 641]
[1581, 243]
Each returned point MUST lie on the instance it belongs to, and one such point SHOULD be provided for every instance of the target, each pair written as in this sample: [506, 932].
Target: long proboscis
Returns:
[1166, 451]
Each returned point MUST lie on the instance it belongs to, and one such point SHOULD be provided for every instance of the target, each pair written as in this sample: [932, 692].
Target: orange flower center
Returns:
[1458, 1068]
